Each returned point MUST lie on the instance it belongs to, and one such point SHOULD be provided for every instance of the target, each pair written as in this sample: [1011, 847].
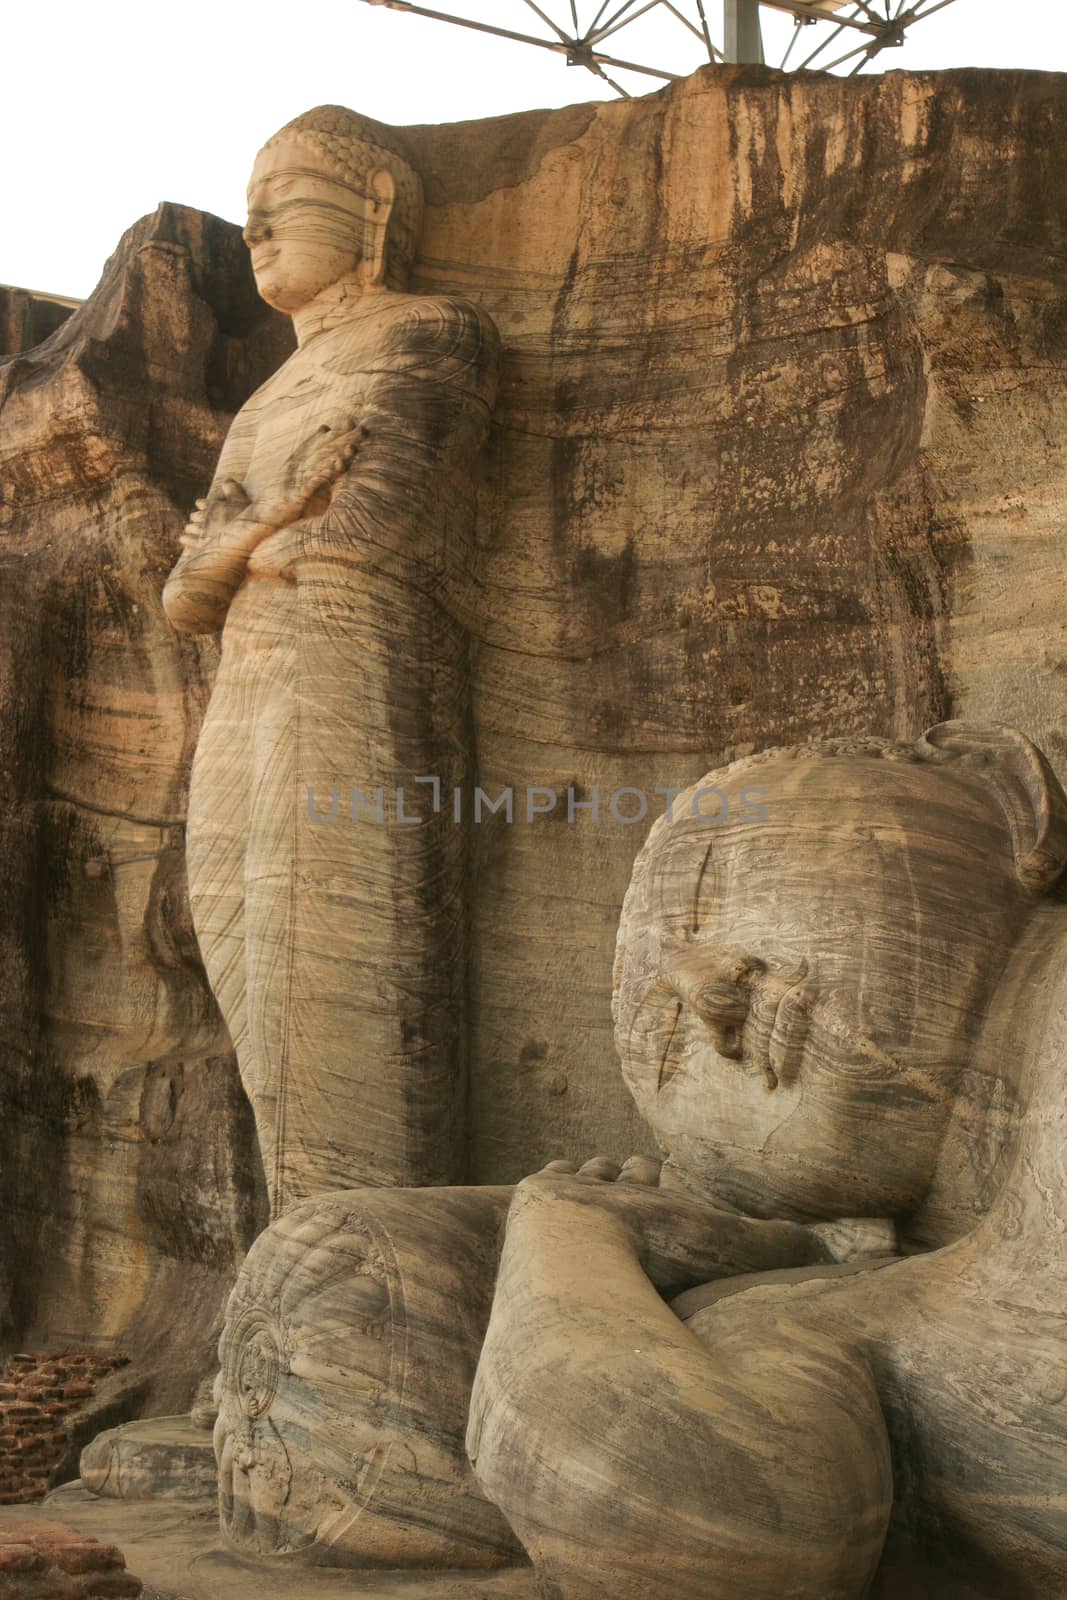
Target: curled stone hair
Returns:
[999, 759]
[353, 147]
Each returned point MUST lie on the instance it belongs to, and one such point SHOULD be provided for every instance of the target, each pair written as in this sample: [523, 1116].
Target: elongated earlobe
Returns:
[382, 198]
[1025, 785]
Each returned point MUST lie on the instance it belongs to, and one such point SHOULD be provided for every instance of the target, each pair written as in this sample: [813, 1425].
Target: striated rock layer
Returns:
[28, 318]
[129, 1186]
[778, 451]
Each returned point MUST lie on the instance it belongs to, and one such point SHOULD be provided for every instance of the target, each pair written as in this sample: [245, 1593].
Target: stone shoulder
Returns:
[445, 336]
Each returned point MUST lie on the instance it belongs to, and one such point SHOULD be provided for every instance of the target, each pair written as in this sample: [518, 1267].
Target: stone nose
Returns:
[723, 1006]
[256, 229]
[718, 987]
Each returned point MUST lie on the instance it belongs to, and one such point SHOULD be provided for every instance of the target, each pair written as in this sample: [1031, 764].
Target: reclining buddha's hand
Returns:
[680, 1240]
[616, 1441]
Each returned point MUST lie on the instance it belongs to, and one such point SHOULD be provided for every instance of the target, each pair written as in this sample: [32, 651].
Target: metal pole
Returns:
[744, 42]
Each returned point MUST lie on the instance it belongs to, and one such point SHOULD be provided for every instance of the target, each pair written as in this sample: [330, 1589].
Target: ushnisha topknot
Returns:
[353, 147]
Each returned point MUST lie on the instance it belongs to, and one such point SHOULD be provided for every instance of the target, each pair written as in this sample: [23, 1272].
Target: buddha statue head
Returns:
[801, 971]
[332, 195]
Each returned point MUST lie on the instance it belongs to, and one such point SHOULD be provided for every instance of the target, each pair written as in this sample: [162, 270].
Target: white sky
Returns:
[111, 106]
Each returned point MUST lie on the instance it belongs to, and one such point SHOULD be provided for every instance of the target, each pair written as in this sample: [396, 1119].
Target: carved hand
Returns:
[211, 516]
[681, 1240]
[313, 468]
[226, 529]
[599, 1422]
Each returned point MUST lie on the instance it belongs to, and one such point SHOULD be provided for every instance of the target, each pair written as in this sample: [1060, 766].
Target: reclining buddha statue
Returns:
[819, 1350]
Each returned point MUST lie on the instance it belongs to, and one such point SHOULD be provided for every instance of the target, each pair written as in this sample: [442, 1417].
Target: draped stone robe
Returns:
[335, 944]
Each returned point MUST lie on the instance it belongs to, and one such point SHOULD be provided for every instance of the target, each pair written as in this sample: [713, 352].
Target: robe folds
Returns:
[332, 927]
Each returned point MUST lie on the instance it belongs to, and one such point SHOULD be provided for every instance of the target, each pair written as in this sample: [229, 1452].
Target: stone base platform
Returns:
[179, 1553]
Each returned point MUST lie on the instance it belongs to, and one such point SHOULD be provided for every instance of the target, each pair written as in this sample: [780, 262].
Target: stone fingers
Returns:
[330, 454]
[602, 1167]
[637, 1170]
[641, 1170]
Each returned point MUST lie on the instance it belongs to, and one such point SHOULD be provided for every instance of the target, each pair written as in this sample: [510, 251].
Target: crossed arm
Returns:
[371, 479]
[227, 527]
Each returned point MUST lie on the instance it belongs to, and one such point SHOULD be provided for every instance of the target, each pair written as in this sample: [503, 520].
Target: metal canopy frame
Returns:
[880, 25]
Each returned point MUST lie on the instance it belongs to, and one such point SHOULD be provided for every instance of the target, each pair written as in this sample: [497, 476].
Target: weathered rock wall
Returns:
[129, 1178]
[28, 318]
[778, 451]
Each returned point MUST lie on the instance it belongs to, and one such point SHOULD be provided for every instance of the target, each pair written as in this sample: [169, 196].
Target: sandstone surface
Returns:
[778, 451]
[819, 1348]
[162, 1458]
[28, 318]
[342, 508]
[163, 1542]
[128, 1186]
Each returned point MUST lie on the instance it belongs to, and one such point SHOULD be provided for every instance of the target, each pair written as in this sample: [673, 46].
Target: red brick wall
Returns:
[37, 1394]
[47, 1561]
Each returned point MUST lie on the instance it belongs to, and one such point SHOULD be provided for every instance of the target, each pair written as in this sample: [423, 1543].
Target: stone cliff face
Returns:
[128, 1173]
[27, 318]
[779, 451]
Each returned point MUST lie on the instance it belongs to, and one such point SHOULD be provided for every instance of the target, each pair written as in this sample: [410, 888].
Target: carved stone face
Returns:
[304, 225]
[795, 996]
